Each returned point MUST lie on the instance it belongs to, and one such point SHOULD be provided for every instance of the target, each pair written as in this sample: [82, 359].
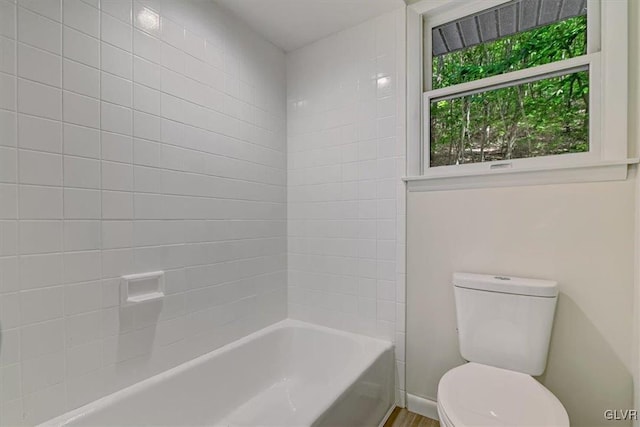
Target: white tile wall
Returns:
[134, 136]
[346, 202]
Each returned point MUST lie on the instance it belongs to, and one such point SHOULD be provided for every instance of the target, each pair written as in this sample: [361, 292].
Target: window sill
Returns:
[592, 172]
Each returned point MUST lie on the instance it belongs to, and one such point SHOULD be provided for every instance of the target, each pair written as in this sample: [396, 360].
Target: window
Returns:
[518, 85]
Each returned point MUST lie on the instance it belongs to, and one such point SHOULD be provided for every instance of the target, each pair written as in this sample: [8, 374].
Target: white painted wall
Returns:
[634, 147]
[346, 203]
[578, 234]
[126, 149]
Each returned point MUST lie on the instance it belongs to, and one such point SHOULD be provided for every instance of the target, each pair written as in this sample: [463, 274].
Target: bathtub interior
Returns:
[194, 392]
[286, 375]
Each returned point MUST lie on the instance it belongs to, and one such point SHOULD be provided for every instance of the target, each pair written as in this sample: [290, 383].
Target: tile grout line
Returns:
[18, 198]
[100, 159]
[62, 122]
[133, 139]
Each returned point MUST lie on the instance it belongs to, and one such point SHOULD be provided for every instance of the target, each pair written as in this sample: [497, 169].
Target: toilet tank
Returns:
[505, 321]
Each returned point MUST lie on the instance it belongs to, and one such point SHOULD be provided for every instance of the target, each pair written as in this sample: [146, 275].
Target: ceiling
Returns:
[290, 24]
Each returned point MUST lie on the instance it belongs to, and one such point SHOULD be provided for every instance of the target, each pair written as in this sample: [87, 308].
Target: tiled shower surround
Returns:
[134, 137]
[149, 135]
[346, 202]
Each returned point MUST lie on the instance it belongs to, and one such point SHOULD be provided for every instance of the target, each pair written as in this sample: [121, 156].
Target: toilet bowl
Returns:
[504, 328]
[481, 395]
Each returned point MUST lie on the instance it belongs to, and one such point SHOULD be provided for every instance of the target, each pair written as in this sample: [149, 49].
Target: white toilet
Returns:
[504, 328]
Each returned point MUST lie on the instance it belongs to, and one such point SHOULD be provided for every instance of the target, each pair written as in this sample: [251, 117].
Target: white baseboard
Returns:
[386, 417]
[425, 407]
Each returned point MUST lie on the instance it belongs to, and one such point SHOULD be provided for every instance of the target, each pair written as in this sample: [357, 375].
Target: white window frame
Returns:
[606, 59]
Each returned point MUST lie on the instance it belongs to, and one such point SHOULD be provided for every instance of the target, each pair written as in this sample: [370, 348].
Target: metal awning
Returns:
[509, 18]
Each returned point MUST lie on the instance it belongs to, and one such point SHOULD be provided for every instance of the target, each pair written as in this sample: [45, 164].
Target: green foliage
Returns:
[544, 117]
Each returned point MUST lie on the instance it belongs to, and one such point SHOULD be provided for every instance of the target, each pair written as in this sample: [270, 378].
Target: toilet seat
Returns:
[481, 395]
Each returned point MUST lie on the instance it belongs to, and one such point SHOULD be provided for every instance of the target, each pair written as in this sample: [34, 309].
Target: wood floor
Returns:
[400, 417]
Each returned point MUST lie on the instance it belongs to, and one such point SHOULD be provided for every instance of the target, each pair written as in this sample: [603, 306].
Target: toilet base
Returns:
[444, 420]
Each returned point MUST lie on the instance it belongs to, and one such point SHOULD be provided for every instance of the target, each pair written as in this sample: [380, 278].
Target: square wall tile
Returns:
[115, 32]
[48, 8]
[40, 202]
[81, 47]
[40, 134]
[40, 168]
[7, 92]
[39, 65]
[38, 31]
[7, 19]
[82, 17]
[39, 100]
[81, 79]
[81, 110]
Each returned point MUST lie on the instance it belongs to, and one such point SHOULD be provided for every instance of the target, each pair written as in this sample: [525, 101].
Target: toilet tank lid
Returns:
[506, 284]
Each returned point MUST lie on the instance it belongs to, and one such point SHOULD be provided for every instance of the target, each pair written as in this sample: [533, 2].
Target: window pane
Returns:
[540, 118]
[560, 40]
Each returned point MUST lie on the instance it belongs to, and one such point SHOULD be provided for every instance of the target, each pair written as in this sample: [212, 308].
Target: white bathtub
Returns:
[289, 374]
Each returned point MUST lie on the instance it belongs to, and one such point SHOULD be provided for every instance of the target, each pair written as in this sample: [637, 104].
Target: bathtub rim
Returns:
[381, 346]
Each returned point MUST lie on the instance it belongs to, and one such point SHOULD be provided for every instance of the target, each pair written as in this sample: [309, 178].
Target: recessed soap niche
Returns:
[142, 287]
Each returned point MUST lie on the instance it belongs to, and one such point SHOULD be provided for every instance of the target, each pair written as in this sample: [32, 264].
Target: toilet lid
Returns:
[481, 395]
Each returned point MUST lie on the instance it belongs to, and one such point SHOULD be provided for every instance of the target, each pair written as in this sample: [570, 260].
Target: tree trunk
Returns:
[485, 129]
